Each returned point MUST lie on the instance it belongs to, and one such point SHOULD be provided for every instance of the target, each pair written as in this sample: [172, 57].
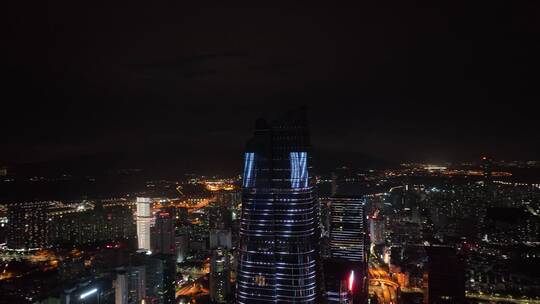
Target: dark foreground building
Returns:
[445, 276]
[345, 282]
[279, 235]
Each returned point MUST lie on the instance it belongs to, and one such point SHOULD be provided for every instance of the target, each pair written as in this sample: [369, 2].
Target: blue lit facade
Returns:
[279, 234]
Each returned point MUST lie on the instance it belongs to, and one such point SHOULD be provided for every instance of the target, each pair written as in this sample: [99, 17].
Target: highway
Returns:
[486, 297]
[193, 289]
[381, 284]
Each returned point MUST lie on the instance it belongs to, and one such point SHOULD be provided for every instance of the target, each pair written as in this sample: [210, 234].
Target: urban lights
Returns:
[88, 293]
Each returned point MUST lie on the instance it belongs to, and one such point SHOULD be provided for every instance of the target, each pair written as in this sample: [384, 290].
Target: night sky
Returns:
[175, 82]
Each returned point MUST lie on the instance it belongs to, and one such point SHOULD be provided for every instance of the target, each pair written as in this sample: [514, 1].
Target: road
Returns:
[192, 207]
[381, 284]
[193, 289]
[485, 297]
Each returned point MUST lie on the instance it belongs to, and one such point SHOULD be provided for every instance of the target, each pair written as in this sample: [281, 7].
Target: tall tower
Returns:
[144, 222]
[346, 272]
[348, 229]
[279, 235]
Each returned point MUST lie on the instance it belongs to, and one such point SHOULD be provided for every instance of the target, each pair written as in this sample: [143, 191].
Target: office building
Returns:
[376, 229]
[279, 229]
[348, 229]
[344, 282]
[220, 223]
[144, 222]
[219, 218]
[121, 288]
[182, 246]
[130, 285]
[220, 276]
[160, 278]
[181, 217]
[345, 273]
[163, 232]
[220, 238]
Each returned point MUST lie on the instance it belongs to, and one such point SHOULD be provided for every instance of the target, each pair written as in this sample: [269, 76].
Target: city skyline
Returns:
[277, 233]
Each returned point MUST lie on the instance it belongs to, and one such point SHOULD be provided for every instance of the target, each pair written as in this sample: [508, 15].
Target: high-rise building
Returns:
[220, 276]
[346, 272]
[228, 198]
[220, 223]
[348, 229]
[144, 222]
[345, 282]
[220, 238]
[376, 228]
[130, 285]
[163, 232]
[279, 229]
[181, 217]
[444, 276]
[121, 288]
[182, 246]
[27, 225]
[160, 278]
[136, 283]
[219, 218]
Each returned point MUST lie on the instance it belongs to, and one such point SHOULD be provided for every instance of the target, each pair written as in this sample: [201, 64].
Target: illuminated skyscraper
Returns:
[279, 235]
[346, 273]
[348, 229]
[144, 221]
